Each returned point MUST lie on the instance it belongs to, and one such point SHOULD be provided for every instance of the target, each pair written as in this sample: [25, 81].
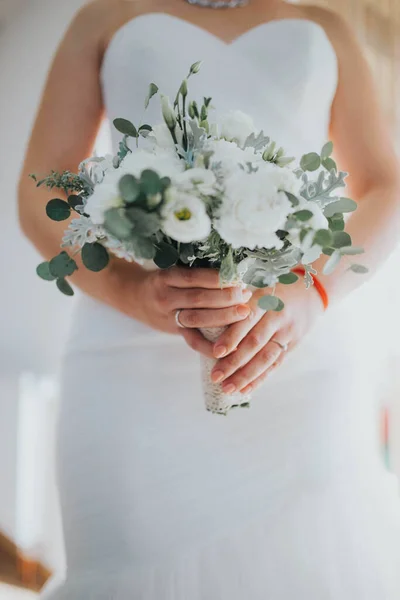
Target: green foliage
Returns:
[327, 150]
[310, 162]
[75, 201]
[145, 224]
[144, 130]
[351, 250]
[150, 183]
[62, 265]
[186, 251]
[166, 255]
[43, 270]
[64, 287]
[336, 223]
[358, 269]
[126, 127]
[270, 302]
[340, 239]
[143, 247]
[58, 210]
[288, 278]
[303, 215]
[342, 205]
[323, 237]
[292, 198]
[95, 257]
[129, 188]
[329, 164]
[117, 224]
[227, 270]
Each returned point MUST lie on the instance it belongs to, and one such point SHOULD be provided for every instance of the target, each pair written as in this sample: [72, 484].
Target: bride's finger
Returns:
[231, 338]
[182, 277]
[221, 317]
[260, 380]
[254, 343]
[197, 342]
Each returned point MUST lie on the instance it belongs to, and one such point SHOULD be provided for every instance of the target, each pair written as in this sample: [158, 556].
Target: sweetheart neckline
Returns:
[200, 29]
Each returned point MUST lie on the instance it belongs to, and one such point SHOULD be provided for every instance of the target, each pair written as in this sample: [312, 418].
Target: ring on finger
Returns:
[283, 346]
[177, 320]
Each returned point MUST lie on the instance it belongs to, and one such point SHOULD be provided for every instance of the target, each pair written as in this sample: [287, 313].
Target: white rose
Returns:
[229, 156]
[164, 162]
[163, 137]
[202, 179]
[283, 178]
[185, 218]
[252, 211]
[106, 195]
[236, 126]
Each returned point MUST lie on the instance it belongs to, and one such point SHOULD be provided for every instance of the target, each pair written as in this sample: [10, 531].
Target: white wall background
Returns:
[34, 317]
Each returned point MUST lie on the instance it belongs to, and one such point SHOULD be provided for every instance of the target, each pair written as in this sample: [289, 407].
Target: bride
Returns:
[162, 500]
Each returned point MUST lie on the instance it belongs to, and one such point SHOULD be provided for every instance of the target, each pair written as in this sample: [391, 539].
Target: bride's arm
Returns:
[364, 148]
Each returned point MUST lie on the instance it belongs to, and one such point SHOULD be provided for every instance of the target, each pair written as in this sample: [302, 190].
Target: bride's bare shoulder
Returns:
[336, 26]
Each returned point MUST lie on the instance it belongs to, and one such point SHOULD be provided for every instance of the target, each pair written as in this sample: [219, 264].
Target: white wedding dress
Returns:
[162, 500]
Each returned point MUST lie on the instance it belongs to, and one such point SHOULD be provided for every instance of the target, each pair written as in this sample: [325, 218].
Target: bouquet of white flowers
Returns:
[199, 193]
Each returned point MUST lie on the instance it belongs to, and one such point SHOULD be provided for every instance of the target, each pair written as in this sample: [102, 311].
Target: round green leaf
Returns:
[328, 251]
[329, 164]
[117, 224]
[126, 127]
[150, 183]
[269, 302]
[58, 210]
[145, 224]
[166, 256]
[340, 239]
[336, 223]
[143, 247]
[43, 270]
[342, 205]
[129, 188]
[323, 237]
[95, 257]
[64, 287]
[327, 150]
[288, 278]
[62, 265]
[280, 306]
[310, 162]
[75, 201]
[303, 215]
[358, 269]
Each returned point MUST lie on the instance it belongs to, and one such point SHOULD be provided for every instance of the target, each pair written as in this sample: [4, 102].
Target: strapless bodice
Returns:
[283, 73]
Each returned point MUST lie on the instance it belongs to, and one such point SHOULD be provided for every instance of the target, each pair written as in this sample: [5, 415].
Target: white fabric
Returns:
[162, 500]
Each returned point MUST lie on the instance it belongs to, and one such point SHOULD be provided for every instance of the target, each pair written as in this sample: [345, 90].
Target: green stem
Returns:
[185, 137]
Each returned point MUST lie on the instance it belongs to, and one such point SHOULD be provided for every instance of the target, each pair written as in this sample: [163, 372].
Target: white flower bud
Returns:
[195, 68]
[168, 112]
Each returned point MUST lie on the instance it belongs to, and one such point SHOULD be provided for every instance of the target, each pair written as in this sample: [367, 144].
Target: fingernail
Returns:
[217, 376]
[229, 388]
[243, 310]
[220, 351]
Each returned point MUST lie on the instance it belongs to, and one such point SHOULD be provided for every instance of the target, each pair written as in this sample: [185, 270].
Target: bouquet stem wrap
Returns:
[215, 399]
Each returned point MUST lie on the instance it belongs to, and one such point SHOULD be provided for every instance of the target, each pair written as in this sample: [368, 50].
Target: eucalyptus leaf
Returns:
[153, 89]
[288, 278]
[166, 256]
[129, 188]
[323, 237]
[269, 302]
[310, 162]
[227, 270]
[117, 224]
[329, 164]
[303, 215]
[143, 247]
[144, 130]
[95, 257]
[327, 150]
[352, 250]
[343, 205]
[340, 239]
[328, 251]
[145, 224]
[43, 270]
[75, 201]
[62, 265]
[150, 183]
[126, 127]
[58, 210]
[64, 287]
[186, 251]
[358, 269]
[331, 263]
[295, 201]
[336, 223]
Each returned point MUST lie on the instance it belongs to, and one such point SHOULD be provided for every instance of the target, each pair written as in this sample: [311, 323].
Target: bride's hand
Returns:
[196, 293]
[249, 354]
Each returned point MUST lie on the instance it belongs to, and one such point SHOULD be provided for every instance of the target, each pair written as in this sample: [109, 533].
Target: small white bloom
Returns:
[283, 177]
[163, 138]
[236, 126]
[229, 156]
[185, 218]
[203, 180]
[252, 211]
[106, 195]
[168, 111]
[165, 162]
